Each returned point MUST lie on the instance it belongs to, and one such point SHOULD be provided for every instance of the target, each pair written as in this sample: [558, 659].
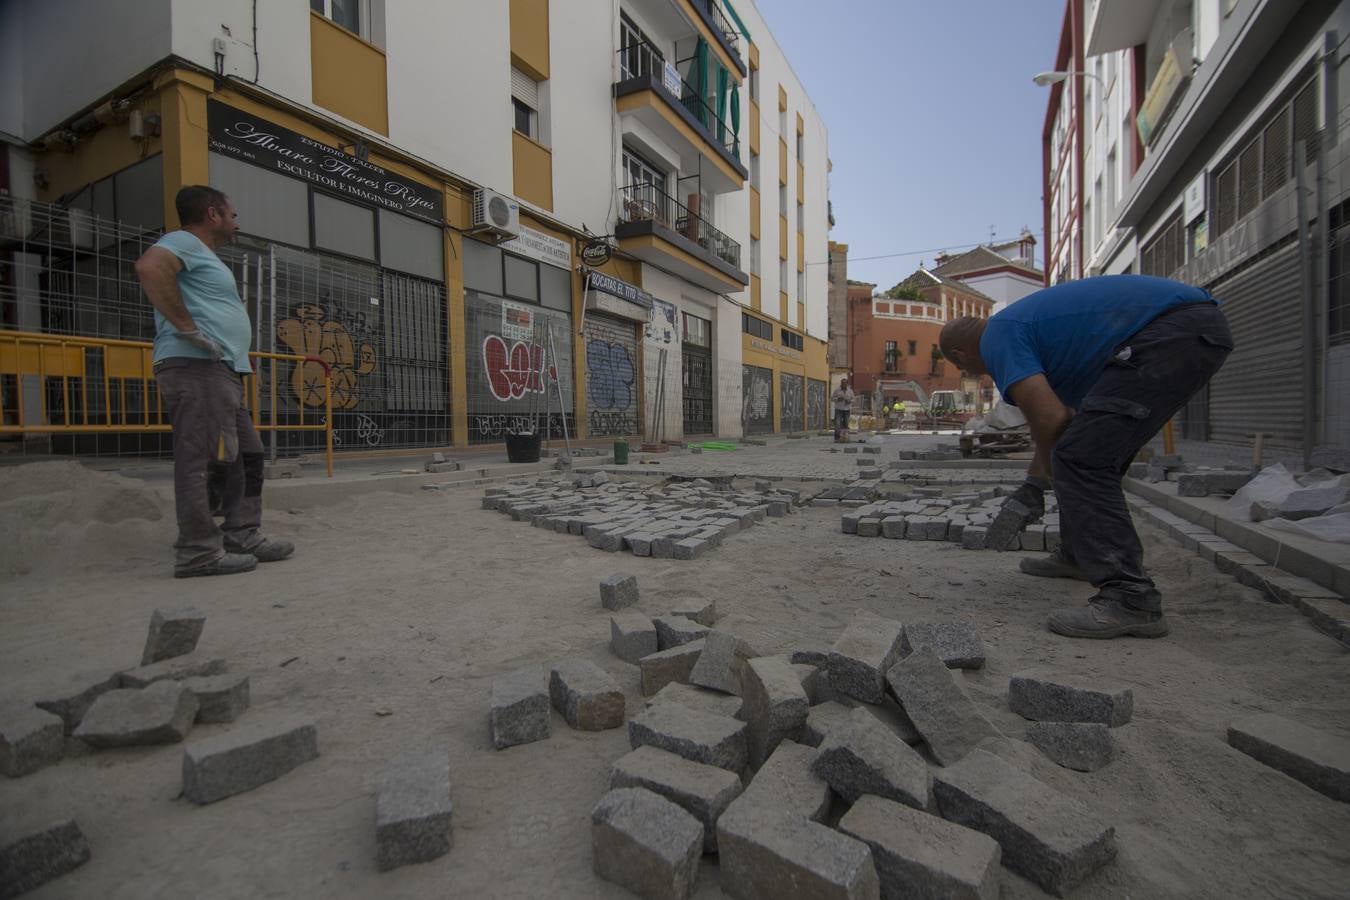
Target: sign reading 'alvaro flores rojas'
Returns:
[262, 143]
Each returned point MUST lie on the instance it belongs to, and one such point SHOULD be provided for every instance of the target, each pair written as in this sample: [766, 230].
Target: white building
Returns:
[356, 136]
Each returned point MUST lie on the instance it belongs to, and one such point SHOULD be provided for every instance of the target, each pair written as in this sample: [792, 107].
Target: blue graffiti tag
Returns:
[610, 374]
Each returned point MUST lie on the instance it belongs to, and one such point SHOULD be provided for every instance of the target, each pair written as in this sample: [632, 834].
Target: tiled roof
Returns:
[983, 258]
[925, 278]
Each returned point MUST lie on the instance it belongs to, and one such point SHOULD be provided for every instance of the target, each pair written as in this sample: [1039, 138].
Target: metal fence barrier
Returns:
[59, 384]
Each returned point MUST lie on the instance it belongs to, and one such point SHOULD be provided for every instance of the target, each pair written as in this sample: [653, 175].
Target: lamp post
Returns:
[1045, 79]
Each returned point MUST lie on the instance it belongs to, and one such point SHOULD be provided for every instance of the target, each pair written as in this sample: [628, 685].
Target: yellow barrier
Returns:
[128, 364]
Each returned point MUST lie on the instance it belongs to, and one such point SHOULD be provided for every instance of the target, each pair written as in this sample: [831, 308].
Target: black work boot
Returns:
[1056, 565]
[226, 564]
[1108, 615]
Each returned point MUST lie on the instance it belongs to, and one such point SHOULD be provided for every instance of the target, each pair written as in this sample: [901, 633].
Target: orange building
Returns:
[894, 342]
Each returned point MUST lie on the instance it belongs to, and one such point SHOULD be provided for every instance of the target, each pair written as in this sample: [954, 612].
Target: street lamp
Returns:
[1045, 79]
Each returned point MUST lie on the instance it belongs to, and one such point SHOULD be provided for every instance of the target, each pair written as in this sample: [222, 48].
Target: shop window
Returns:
[521, 278]
[555, 288]
[756, 327]
[269, 204]
[791, 339]
[343, 227]
[412, 246]
[482, 267]
[697, 331]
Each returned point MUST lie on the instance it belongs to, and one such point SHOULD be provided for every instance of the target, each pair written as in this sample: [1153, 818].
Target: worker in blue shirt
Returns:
[1097, 366]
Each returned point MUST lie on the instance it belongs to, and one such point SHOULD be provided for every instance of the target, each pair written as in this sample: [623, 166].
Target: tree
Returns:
[902, 291]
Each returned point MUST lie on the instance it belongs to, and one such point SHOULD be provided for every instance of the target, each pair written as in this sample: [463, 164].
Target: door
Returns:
[791, 408]
[611, 375]
[698, 390]
[816, 416]
[757, 397]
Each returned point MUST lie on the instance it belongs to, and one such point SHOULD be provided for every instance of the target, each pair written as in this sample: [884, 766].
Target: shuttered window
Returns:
[524, 88]
[1166, 252]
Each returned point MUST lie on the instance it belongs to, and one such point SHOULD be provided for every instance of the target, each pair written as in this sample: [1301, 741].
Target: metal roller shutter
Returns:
[791, 403]
[757, 396]
[611, 375]
[1259, 388]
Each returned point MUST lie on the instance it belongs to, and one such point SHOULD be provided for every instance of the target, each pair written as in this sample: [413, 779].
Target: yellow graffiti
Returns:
[310, 333]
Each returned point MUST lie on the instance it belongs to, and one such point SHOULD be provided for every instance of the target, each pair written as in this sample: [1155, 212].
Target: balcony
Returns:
[656, 227]
[657, 94]
[710, 11]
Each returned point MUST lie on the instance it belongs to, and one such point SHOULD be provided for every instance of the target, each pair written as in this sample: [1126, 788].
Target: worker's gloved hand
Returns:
[1032, 495]
[202, 342]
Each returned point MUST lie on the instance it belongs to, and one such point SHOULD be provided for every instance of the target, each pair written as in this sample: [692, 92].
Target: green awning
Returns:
[736, 120]
[722, 83]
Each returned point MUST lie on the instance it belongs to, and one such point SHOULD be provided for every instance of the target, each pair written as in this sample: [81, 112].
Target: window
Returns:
[782, 199]
[913, 348]
[801, 147]
[801, 285]
[521, 278]
[754, 170]
[639, 56]
[754, 84]
[525, 104]
[353, 15]
[1264, 163]
[756, 327]
[936, 367]
[801, 217]
[891, 357]
[1166, 252]
[754, 256]
[791, 339]
[697, 331]
[782, 275]
[637, 170]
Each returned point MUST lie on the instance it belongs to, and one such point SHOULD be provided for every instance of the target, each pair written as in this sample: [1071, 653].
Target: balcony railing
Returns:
[648, 203]
[644, 60]
[712, 10]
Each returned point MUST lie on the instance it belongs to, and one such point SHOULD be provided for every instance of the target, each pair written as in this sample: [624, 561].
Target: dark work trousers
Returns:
[840, 421]
[214, 444]
[1149, 378]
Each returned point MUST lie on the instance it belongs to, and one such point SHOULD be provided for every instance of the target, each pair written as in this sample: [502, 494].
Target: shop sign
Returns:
[1195, 198]
[246, 137]
[517, 321]
[595, 253]
[1164, 89]
[670, 80]
[540, 247]
[767, 347]
[599, 281]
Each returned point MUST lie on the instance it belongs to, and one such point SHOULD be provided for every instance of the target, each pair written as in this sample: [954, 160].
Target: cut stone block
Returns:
[698, 736]
[1042, 697]
[645, 844]
[921, 855]
[74, 700]
[36, 858]
[775, 705]
[1319, 760]
[869, 526]
[786, 782]
[667, 666]
[1084, 746]
[520, 708]
[691, 548]
[220, 698]
[974, 537]
[701, 790]
[957, 644]
[764, 852]
[159, 714]
[413, 811]
[631, 635]
[1053, 840]
[938, 706]
[245, 758]
[811, 655]
[861, 657]
[702, 699]
[862, 756]
[588, 698]
[1202, 484]
[704, 612]
[30, 738]
[893, 527]
[820, 719]
[1033, 538]
[672, 631]
[894, 717]
[717, 666]
[176, 668]
[618, 591]
[173, 632]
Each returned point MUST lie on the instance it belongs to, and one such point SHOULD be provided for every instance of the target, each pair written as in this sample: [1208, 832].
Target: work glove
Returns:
[202, 342]
[1032, 495]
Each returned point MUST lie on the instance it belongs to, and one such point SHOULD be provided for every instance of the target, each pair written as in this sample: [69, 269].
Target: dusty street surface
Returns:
[398, 610]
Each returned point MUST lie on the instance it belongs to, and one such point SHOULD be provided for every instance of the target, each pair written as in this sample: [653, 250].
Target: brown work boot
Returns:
[1107, 617]
[1056, 565]
[228, 564]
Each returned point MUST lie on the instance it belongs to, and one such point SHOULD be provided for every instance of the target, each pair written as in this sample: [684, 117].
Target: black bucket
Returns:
[523, 448]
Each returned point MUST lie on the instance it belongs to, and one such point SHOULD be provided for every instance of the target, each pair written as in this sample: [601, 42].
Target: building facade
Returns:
[1226, 108]
[563, 217]
[1005, 273]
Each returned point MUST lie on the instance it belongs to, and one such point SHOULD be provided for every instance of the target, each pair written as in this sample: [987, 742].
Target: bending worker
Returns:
[1097, 366]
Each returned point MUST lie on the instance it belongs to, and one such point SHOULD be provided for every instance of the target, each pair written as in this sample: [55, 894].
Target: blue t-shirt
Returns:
[209, 293]
[1068, 332]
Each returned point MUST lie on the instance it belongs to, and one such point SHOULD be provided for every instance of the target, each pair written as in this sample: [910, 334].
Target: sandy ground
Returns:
[399, 611]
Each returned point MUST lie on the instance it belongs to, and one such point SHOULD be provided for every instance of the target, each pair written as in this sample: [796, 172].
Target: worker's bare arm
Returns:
[1046, 416]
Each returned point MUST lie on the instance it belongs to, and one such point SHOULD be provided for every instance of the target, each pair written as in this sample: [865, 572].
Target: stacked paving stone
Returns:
[963, 518]
[680, 520]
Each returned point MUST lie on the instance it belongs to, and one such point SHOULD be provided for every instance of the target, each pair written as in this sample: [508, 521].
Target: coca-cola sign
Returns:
[246, 137]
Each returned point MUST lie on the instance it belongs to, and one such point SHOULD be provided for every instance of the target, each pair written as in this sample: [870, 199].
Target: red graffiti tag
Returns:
[511, 373]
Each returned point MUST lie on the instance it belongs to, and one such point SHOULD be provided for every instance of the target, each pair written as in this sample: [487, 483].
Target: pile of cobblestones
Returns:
[963, 519]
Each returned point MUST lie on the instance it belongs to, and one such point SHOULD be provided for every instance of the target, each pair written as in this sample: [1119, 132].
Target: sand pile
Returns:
[63, 516]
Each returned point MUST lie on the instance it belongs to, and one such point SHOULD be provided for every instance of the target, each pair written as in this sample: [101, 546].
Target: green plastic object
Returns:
[718, 445]
[620, 453]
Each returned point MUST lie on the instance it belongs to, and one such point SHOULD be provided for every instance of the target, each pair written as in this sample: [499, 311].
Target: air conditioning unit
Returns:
[496, 213]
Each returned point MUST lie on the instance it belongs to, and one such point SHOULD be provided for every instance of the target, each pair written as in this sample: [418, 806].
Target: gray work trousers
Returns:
[1149, 378]
[215, 451]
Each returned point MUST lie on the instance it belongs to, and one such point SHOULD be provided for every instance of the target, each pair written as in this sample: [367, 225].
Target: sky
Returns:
[934, 123]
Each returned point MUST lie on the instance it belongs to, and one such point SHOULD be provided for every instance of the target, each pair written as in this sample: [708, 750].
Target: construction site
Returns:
[732, 621]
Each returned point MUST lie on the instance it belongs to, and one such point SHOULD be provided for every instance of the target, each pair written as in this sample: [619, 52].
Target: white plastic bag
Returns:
[1271, 485]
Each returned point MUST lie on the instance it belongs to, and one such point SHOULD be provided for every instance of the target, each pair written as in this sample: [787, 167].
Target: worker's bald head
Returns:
[960, 342]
